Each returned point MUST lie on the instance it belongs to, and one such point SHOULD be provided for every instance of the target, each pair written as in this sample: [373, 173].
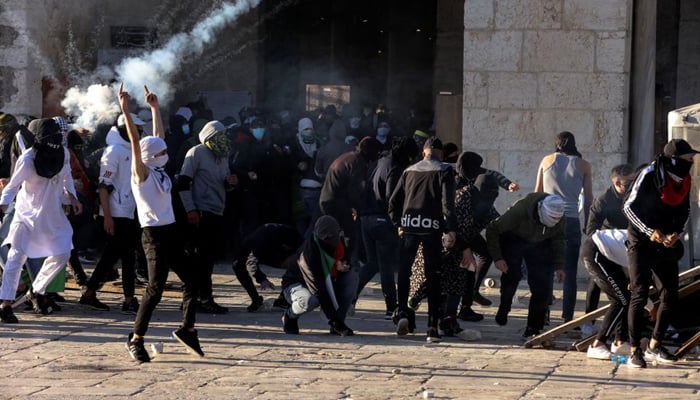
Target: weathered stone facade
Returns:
[68, 39]
[533, 68]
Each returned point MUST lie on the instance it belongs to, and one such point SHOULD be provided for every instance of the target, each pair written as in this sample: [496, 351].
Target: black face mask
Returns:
[679, 167]
[48, 149]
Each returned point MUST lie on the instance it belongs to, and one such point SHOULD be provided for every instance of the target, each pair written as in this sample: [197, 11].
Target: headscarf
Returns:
[48, 150]
[550, 210]
[150, 146]
[566, 143]
[307, 139]
[213, 136]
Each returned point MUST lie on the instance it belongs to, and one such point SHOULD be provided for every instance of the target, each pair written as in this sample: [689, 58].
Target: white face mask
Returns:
[157, 162]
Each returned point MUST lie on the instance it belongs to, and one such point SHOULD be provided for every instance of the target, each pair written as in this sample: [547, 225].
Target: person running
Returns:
[151, 187]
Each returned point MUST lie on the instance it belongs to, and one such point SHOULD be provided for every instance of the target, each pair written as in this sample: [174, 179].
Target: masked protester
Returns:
[303, 155]
[152, 187]
[41, 182]
[319, 275]
[657, 207]
[531, 230]
[202, 184]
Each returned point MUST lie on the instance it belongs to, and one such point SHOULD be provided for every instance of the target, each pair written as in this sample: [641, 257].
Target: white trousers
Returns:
[13, 269]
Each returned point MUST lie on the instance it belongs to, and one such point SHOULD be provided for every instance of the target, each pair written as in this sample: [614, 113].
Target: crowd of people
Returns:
[333, 200]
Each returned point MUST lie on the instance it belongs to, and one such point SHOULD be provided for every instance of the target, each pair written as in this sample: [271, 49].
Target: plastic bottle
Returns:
[618, 358]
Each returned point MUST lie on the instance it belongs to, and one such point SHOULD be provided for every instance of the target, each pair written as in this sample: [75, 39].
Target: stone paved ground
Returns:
[80, 354]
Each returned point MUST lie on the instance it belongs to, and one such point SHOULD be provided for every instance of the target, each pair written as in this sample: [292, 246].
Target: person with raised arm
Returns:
[151, 187]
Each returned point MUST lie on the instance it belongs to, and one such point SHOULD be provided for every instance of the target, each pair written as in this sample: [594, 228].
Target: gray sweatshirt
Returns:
[208, 190]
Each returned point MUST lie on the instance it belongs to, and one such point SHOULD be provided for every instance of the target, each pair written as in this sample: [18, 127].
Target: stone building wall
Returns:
[67, 39]
[533, 68]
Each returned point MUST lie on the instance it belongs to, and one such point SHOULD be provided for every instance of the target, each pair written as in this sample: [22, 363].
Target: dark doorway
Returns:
[382, 50]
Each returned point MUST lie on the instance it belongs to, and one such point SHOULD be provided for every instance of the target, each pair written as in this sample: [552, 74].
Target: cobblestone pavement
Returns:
[79, 353]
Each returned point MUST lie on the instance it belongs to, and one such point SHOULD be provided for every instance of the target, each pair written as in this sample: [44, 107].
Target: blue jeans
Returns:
[382, 243]
[303, 301]
[573, 245]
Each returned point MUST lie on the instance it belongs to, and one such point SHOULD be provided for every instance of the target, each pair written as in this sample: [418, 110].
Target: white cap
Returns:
[134, 118]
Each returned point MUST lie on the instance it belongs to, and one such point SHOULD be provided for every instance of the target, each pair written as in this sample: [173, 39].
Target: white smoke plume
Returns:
[98, 103]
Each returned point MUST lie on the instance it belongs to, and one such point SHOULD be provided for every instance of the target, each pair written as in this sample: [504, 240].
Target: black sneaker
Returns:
[529, 334]
[340, 329]
[481, 300]
[405, 321]
[467, 314]
[388, 315]
[210, 307]
[290, 325]
[637, 359]
[189, 340]
[93, 303]
[256, 304]
[433, 336]
[502, 316]
[7, 316]
[136, 349]
[660, 354]
[40, 303]
[131, 307]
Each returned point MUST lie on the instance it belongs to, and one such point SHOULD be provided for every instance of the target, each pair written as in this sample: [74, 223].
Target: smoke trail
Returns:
[155, 68]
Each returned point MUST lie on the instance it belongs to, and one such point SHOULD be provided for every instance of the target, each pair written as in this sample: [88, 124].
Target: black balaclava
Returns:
[48, 149]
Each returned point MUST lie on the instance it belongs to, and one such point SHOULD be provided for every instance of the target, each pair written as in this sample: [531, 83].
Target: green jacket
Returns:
[521, 220]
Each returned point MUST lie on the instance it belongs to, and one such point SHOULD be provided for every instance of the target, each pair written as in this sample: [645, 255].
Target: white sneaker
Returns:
[598, 353]
[623, 349]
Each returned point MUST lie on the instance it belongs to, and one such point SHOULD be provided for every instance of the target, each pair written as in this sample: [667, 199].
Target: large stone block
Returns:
[492, 51]
[611, 52]
[609, 92]
[580, 123]
[554, 50]
[606, 15]
[478, 14]
[475, 90]
[565, 90]
[610, 132]
[522, 167]
[512, 90]
[474, 122]
[528, 14]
